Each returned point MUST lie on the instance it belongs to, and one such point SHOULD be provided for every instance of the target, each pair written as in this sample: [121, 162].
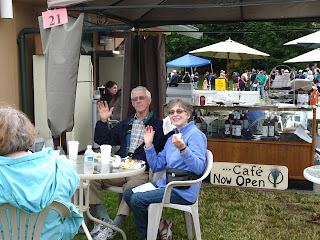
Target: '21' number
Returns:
[54, 17]
[53, 21]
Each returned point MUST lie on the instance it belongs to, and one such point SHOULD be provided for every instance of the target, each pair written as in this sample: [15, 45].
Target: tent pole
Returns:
[191, 71]
[211, 68]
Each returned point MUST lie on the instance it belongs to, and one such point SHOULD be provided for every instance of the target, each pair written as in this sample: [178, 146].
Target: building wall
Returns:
[24, 16]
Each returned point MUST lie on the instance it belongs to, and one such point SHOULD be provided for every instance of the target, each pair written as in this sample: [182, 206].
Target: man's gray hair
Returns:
[139, 88]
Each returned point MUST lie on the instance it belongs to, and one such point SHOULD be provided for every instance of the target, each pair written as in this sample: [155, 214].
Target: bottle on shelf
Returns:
[198, 121]
[276, 125]
[238, 127]
[241, 120]
[271, 128]
[227, 128]
[265, 128]
[88, 160]
[245, 121]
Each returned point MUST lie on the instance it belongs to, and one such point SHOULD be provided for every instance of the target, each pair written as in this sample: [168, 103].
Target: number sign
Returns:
[55, 17]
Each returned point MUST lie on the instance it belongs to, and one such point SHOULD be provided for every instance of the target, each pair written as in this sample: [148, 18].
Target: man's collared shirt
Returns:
[136, 138]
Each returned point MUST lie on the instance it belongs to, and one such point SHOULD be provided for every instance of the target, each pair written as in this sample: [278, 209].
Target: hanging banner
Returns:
[54, 18]
[249, 175]
[220, 84]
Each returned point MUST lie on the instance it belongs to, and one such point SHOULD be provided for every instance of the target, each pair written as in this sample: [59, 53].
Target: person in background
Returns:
[253, 78]
[32, 181]
[310, 76]
[205, 86]
[242, 83]
[116, 104]
[184, 150]
[317, 75]
[293, 73]
[195, 81]
[262, 79]
[286, 72]
[129, 135]
[212, 81]
[174, 77]
[186, 78]
[111, 89]
[235, 79]
[223, 76]
[300, 75]
[314, 67]
[180, 76]
[206, 76]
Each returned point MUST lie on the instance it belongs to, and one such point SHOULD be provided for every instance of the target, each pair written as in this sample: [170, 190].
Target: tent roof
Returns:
[148, 13]
[188, 61]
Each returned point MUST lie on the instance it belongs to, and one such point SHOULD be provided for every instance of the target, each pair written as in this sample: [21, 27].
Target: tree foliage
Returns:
[267, 37]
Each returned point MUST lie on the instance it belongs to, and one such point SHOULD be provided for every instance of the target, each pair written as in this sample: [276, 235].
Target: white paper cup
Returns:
[105, 153]
[73, 150]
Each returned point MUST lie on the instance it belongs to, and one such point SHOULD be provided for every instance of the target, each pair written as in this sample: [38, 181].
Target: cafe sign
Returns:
[249, 175]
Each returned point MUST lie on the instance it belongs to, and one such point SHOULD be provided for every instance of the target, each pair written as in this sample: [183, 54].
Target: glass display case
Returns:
[267, 123]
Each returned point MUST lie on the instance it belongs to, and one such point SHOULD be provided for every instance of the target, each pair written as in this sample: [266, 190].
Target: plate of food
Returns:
[131, 164]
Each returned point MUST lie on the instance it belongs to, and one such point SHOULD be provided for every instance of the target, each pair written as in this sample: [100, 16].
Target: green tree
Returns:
[267, 37]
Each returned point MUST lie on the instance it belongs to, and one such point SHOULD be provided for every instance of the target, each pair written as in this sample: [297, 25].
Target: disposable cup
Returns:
[105, 153]
[73, 150]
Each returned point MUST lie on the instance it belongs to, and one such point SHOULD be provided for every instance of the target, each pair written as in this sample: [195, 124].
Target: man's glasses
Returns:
[141, 98]
[178, 111]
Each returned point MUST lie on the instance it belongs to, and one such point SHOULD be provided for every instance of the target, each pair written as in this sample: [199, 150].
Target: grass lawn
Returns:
[232, 213]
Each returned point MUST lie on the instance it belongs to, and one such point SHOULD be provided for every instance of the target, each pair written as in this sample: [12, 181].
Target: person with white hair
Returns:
[300, 75]
[310, 76]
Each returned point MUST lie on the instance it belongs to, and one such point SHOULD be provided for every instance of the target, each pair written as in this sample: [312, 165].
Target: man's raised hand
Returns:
[104, 111]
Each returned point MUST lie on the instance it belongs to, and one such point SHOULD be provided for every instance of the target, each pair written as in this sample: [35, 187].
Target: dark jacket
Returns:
[117, 136]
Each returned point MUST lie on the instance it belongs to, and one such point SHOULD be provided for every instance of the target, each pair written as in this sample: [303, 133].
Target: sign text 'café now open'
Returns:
[249, 175]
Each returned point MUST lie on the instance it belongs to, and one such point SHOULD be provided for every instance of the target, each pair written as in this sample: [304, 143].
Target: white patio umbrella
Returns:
[312, 56]
[229, 49]
[311, 41]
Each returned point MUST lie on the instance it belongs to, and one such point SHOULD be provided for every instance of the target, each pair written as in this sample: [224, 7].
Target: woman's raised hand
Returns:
[178, 142]
[148, 135]
[104, 111]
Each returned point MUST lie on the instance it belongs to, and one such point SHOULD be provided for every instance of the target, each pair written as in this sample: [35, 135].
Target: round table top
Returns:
[115, 172]
[312, 174]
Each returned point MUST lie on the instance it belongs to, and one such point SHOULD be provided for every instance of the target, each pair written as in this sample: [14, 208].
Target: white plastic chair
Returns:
[190, 212]
[32, 227]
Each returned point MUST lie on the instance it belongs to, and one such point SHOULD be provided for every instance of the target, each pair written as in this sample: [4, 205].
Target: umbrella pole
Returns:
[228, 65]
[191, 71]
[211, 68]
[228, 71]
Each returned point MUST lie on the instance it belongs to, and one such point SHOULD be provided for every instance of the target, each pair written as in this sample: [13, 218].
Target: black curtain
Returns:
[148, 55]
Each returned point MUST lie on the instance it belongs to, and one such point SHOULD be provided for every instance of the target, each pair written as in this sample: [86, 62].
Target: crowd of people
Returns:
[254, 80]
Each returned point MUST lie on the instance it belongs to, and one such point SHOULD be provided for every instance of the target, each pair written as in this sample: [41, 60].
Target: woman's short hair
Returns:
[17, 133]
[182, 103]
[139, 88]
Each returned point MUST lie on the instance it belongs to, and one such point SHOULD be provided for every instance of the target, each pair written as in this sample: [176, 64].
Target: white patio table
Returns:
[84, 189]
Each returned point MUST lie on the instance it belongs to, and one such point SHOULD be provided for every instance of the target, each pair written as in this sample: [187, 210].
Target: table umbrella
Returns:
[229, 49]
[311, 41]
[312, 56]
